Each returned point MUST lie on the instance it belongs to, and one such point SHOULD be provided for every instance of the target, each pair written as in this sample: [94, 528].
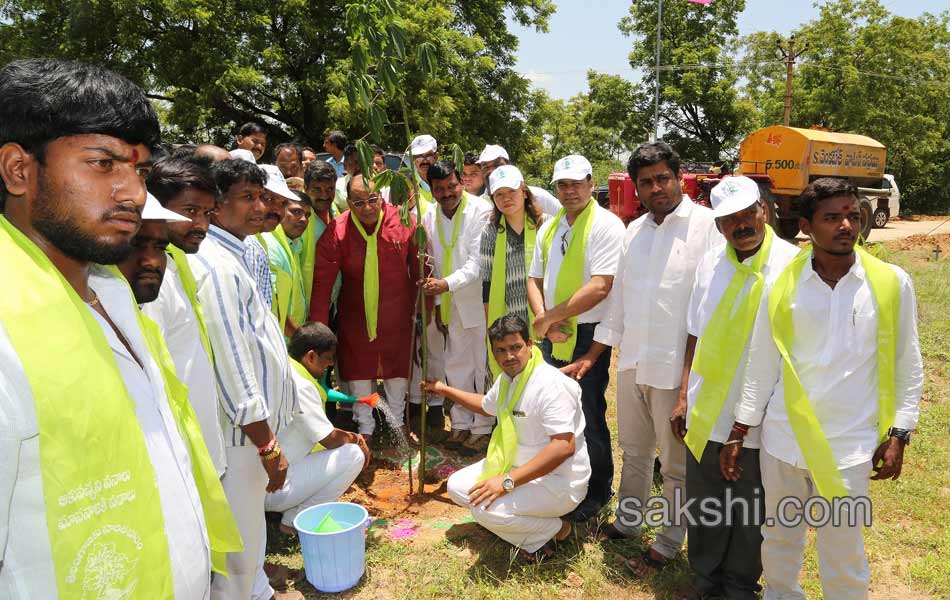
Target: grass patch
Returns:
[907, 545]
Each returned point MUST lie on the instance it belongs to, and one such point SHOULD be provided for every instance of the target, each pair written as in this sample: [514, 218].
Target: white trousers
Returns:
[394, 391]
[436, 369]
[245, 485]
[466, 368]
[527, 517]
[317, 478]
[842, 563]
[643, 424]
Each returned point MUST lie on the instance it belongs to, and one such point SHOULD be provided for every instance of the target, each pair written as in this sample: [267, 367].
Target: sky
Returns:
[583, 35]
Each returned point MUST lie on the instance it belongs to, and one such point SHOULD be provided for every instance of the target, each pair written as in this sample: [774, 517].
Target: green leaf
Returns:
[426, 57]
[458, 157]
[399, 189]
[420, 237]
[383, 180]
[389, 78]
[398, 37]
[360, 59]
[364, 153]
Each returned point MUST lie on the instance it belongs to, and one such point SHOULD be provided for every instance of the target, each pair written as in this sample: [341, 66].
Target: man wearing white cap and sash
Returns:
[494, 156]
[106, 489]
[454, 230]
[730, 283]
[187, 188]
[572, 273]
[834, 377]
[537, 468]
[425, 153]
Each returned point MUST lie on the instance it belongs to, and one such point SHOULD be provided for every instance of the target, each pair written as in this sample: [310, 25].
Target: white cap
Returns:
[492, 152]
[574, 167]
[505, 176]
[242, 154]
[423, 144]
[154, 211]
[733, 194]
[276, 183]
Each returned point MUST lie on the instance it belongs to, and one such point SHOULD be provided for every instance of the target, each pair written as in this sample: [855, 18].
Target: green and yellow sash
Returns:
[445, 303]
[103, 512]
[503, 446]
[309, 258]
[497, 302]
[570, 277]
[720, 348]
[190, 286]
[370, 274]
[808, 432]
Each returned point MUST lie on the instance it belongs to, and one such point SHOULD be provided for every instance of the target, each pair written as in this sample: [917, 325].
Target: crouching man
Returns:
[537, 467]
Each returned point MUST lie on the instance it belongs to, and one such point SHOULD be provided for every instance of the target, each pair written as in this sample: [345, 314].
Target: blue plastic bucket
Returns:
[336, 561]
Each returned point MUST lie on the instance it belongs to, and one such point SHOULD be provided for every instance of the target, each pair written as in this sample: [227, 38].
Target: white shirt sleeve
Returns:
[610, 329]
[762, 370]
[469, 272]
[12, 380]
[909, 368]
[490, 400]
[310, 415]
[695, 297]
[537, 261]
[559, 412]
[604, 246]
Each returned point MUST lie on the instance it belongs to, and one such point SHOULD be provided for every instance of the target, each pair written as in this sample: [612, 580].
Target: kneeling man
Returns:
[537, 467]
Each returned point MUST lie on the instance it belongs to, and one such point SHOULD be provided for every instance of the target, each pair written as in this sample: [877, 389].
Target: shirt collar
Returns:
[856, 270]
[234, 245]
[683, 210]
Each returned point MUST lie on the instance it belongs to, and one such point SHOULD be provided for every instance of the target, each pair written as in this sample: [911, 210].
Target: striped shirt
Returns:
[258, 263]
[516, 278]
[251, 366]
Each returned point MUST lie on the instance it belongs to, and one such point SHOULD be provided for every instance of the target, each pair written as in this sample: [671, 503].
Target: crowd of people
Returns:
[176, 318]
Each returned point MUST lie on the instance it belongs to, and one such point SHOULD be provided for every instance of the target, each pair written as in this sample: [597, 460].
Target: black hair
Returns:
[508, 325]
[822, 189]
[312, 335]
[652, 153]
[42, 99]
[295, 147]
[377, 151]
[234, 170]
[319, 170]
[443, 169]
[471, 159]
[307, 149]
[337, 138]
[171, 176]
[349, 151]
[251, 128]
[184, 151]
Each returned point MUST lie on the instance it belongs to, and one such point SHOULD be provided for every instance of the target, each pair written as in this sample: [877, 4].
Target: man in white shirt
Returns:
[494, 156]
[646, 320]
[252, 368]
[724, 552]
[523, 492]
[454, 231]
[318, 475]
[847, 325]
[75, 143]
[187, 188]
[572, 272]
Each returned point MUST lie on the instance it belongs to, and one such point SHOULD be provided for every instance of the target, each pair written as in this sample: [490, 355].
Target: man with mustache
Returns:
[834, 377]
[571, 275]
[106, 488]
[646, 320]
[256, 393]
[424, 151]
[186, 187]
[729, 285]
[252, 137]
[289, 299]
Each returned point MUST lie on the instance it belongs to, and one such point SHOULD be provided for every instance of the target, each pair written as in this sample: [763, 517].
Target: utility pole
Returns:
[656, 91]
[788, 56]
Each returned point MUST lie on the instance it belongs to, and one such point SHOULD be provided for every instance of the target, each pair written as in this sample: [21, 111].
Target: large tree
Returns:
[870, 72]
[701, 111]
[214, 64]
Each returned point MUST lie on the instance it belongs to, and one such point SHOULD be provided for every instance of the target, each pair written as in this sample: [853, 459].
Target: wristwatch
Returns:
[508, 483]
[901, 434]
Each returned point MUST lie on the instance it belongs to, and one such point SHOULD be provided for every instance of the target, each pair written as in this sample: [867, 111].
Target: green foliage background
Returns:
[211, 65]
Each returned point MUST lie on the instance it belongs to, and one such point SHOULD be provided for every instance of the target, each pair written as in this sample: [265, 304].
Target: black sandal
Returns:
[645, 560]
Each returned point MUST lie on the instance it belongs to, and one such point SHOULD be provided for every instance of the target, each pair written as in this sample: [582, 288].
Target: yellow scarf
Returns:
[445, 303]
[370, 274]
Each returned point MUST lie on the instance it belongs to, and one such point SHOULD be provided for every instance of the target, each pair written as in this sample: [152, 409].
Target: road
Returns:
[896, 230]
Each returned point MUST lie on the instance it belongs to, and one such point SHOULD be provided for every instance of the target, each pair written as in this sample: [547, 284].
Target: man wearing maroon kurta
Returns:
[342, 250]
